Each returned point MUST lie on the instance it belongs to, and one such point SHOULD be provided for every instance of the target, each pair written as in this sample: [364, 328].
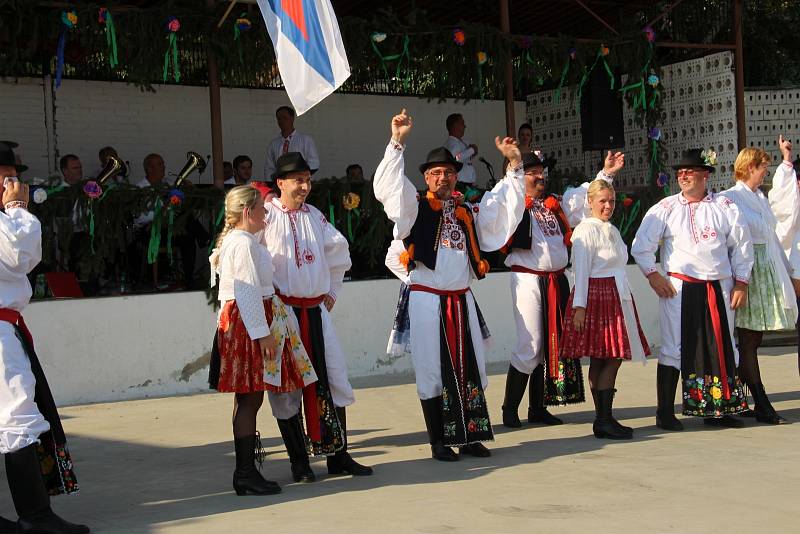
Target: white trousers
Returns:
[526, 299]
[670, 318]
[21, 423]
[423, 313]
[286, 405]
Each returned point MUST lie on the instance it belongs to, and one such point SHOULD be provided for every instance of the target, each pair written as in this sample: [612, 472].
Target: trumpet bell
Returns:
[114, 167]
[195, 162]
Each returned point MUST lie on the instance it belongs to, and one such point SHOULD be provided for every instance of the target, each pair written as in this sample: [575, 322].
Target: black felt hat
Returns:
[7, 157]
[693, 159]
[440, 156]
[532, 160]
[290, 162]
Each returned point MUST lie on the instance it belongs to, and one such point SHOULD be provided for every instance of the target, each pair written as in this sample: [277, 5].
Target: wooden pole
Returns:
[216, 116]
[505, 27]
[738, 62]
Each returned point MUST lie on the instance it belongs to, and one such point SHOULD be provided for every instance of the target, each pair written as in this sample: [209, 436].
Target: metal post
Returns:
[741, 129]
[216, 116]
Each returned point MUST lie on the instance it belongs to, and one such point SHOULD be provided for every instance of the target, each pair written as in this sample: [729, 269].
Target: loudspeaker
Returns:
[602, 125]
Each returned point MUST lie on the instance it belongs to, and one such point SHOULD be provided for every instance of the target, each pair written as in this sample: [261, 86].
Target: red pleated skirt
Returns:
[604, 335]
[241, 363]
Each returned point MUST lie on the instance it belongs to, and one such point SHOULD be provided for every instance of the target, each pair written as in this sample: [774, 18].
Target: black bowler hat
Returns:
[693, 159]
[532, 160]
[7, 157]
[440, 156]
[290, 162]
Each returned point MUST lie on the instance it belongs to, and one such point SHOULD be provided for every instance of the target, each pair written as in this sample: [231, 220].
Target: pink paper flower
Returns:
[173, 24]
[92, 189]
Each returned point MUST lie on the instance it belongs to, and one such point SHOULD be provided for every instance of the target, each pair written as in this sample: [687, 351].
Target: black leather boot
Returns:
[478, 450]
[432, 411]
[605, 426]
[30, 496]
[516, 382]
[537, 413]
[295, 441]
[666, 384]
[342, 462]
[246, 478]
[764, 411]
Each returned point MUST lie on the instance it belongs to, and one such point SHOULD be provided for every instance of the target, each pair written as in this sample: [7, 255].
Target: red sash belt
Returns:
[310, 391]
[14, 317]
[716, 324]
[553, 299]
[440, 292]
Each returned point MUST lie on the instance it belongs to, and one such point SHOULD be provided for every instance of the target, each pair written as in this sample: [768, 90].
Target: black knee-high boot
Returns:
[342, 462]
[605, 426]
[295, 441]
[246, 478]
[30, 496]
[666, 385]
[537, 412]
[516, 382]
[764, 411]
[432, 411]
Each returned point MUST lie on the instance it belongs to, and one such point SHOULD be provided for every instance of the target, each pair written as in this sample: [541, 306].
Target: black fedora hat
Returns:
[440, 156]
[694, 158]
[7, 157]
[290, 162]
[532, 160]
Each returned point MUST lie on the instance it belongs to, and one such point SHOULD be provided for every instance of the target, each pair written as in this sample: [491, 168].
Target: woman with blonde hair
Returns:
[771, 303]
[601, 320]
[257, 346]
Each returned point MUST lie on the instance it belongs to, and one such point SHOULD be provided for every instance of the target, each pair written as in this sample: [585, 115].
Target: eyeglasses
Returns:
[439, 173]
[686, 172]
[535, 174]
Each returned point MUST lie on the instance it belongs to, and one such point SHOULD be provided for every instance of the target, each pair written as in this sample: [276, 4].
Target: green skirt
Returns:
[765, 309]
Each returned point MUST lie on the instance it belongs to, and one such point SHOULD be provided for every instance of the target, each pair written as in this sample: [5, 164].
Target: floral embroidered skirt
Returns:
[242, 368]
[765, 309]
[604, 334]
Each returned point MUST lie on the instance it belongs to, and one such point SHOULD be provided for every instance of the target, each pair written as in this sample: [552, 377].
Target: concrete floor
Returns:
[165, 465]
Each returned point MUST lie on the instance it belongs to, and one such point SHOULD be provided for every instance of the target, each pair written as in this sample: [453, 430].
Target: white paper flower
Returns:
[40, 195]
[378, 37]
[709, 156]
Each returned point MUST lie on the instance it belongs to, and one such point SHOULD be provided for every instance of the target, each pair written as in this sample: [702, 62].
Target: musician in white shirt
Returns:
[289, 140]
[463, 151]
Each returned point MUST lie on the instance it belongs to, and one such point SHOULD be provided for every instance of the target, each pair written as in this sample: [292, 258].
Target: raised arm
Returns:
[20, 234]
[501, 209]
[784, 197]
[574, 202]
[392, 188]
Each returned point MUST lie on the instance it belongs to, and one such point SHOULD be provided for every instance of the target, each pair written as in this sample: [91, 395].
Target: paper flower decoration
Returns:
[92, 189]
[243, 23]
[709, 156]
[649, 34]
[351, 201]
[604, 50]
[662, 179]
[102, 15]
[627, 202]
[378, 37]
[173, 25]
[459, 37]
[653, 80]
[176, 197]
[481, 57]
[39, 196]
[69, 18]
[654, 134]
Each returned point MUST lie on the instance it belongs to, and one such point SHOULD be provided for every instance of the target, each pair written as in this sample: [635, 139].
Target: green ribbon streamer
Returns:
[399, 57]
[480, 82]
[330, 211]
[350, 222]
[563, 79]
[217, 222]
[237, 34]
[639, 98]
[155, 234]
[91, 225]
[172, 53]
[608, 71]
[170, 223]
[625, 226]
[586, 74]
[111, 41]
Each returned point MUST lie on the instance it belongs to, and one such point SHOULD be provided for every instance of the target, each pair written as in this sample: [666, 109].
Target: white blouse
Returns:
[245, 271]
[20, 252]
[598, 251]
[707, 240]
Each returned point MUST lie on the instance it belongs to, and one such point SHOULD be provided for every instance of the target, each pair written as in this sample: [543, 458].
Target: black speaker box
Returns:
[602, 126]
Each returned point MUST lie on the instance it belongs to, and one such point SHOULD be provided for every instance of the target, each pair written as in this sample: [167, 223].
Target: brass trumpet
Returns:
[195, 162]
[114, 167]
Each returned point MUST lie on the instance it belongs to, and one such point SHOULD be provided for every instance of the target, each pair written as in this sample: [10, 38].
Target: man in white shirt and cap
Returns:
[289, 140]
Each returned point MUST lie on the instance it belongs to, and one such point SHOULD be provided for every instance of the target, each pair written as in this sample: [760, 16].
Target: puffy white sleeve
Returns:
[740, 244]
[575, 203]
[21, 243]
[583, 248]
[392, 260]
[337, 254]
[501, 210]
[784, 200]
[247, 288]
[647, 238]
[395, 191]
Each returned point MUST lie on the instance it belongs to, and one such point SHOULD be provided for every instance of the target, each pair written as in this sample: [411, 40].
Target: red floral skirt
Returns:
[241, 363]
[604, 334]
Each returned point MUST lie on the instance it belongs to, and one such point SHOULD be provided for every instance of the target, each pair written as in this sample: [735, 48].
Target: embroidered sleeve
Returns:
[648, 236]
[500, 210]
[247, 290]
[740, 245]
[20, 244]
[392, 189]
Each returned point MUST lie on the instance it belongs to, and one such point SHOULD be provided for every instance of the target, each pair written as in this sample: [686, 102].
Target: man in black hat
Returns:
[310, 258]
[29, 424]
[707, 256]
[443, 238]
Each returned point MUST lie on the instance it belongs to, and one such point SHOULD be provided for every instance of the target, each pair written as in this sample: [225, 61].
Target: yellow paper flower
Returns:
[481, 58]
[351, 201]
[716, 392]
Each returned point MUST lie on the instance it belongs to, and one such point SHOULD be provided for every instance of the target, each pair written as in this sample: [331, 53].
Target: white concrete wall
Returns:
[115, 348]
[347, 128]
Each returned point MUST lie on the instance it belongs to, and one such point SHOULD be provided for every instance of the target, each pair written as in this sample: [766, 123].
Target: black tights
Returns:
[245, 408]
[749, 341]
[603, 373]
